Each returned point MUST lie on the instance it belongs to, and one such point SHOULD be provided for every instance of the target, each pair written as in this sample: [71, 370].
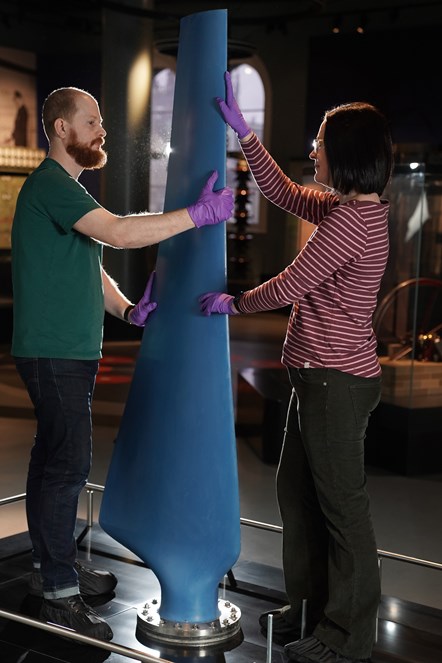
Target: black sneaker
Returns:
[73, 613]
[92, 582]
[283, 630]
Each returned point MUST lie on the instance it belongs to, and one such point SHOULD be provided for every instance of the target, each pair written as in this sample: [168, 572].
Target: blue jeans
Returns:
[61, 391]
[329, 547]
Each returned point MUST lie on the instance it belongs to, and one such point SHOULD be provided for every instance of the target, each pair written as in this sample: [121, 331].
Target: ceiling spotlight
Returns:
[361, 26]
[336, 27]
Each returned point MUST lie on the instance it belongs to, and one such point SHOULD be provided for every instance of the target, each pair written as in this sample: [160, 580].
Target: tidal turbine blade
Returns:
[171, 493]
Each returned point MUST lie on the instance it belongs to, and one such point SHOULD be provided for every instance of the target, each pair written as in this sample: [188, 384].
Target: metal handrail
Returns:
[411, 560]
[84, 639]
[13, 498]
[259, 525]
[90, 487]
[381, 553]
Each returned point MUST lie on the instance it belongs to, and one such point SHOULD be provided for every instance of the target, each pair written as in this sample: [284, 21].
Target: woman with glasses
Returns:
[329, 547]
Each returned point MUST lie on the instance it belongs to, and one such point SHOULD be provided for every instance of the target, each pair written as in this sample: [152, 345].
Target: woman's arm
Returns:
[308, 204]
[305, 203]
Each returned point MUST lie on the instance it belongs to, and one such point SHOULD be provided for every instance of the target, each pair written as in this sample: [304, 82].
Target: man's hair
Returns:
[359, 149]
[60, 103]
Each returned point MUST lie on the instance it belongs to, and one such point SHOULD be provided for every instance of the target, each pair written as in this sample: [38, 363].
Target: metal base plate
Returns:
[200, 634]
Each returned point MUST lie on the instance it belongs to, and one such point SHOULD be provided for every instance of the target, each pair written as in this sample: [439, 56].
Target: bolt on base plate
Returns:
[191, 634]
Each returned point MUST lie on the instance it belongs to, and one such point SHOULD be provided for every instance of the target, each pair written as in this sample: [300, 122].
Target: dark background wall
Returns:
[399, 71]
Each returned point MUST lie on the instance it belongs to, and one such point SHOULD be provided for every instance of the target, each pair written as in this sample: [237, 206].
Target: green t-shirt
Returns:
[56, 271]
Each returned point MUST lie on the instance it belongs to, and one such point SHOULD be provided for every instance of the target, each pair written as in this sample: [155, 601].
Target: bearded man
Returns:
[61, 292]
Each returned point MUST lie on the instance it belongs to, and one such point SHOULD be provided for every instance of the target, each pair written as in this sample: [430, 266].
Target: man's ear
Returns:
[60, 127]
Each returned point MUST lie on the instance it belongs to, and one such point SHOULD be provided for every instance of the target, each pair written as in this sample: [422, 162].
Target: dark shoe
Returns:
[283, 630]
[92, 582]
[311, 650]
[73, 613]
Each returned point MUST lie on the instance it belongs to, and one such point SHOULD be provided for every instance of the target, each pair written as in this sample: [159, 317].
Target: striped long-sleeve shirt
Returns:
[333, 281]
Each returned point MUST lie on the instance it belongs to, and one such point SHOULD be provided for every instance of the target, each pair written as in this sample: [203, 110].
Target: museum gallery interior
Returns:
[176, 485]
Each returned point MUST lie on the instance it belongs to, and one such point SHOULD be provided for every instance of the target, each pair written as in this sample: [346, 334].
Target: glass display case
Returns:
[405, 431]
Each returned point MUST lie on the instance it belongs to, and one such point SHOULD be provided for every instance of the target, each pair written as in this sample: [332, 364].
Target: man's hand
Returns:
[212, 206]
[139, 314]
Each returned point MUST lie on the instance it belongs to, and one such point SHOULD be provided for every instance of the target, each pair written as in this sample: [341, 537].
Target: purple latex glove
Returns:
[217, 302]
[230, 110]
[212, 206]
[140, 312]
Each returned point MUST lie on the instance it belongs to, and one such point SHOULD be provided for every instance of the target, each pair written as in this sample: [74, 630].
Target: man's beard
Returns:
[84, 155]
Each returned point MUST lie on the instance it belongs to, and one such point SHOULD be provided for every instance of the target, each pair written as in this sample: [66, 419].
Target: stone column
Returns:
[127, 49]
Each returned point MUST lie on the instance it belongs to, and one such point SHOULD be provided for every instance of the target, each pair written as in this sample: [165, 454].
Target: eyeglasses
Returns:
[317, 144]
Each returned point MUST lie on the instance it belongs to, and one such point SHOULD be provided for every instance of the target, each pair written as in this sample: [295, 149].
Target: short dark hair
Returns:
[359, 149]
[60, 103]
